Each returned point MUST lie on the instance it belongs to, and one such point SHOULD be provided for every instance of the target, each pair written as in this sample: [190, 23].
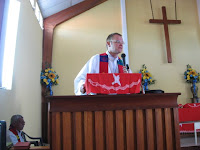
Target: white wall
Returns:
[25, 96]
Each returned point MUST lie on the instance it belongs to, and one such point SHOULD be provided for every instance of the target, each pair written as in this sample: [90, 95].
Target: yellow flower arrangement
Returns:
[146, 77]
[49, 77]
[191, 75]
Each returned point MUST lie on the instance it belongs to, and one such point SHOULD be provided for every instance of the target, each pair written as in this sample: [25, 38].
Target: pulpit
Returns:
[114, 122]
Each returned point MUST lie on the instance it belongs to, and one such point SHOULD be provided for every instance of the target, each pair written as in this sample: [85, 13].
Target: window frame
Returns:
[37, 12]
[2, 14]
[6, 72]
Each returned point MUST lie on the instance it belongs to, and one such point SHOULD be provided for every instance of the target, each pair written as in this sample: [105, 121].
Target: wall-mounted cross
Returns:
[166, 22]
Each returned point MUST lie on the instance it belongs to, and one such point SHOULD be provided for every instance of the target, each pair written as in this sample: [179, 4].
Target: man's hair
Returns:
[111, 36]
[14, 119]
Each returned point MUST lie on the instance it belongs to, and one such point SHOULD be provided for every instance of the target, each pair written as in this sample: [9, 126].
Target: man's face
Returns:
[115, 46]
[20, 124]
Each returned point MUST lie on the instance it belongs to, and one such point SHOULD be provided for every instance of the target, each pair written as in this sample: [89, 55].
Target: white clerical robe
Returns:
[92, 66]
[11, 137]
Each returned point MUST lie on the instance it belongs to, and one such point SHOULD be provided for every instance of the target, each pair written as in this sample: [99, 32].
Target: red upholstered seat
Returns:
[189, 112]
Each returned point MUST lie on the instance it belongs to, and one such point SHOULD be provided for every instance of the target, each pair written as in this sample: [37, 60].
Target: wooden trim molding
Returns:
[49, 25]
[47, 46]
[71, 12]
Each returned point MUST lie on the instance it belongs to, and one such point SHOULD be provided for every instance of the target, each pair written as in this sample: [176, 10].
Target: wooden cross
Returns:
[166, 22]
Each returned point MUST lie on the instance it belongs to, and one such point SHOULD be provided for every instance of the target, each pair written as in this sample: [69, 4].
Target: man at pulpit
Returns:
[108, 62]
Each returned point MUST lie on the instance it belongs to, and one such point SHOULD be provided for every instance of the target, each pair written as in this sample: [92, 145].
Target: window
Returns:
[3, 12]
[9, 15]
[32, 3]
[37, 11]
[8, 41]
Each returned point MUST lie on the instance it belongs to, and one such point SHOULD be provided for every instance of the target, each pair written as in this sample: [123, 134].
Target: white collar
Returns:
[19, 132]
[111, 57]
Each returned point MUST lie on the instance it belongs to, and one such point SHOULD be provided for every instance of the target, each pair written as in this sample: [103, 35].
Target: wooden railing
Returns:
[114, 122]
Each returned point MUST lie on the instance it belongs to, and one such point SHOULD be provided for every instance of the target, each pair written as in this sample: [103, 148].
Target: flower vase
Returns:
[145, 86]
[194, 90]
[50, 90]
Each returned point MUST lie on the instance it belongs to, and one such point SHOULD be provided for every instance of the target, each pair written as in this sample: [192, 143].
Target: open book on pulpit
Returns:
[113, 83]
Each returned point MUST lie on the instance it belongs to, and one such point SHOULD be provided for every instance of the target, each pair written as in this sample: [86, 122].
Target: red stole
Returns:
[103, 65]
[14, 131]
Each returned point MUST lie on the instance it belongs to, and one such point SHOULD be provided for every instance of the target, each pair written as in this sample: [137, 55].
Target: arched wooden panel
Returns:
[176, 135]
[120, 130]
[78, 131]
[99, 130]
[140, 130]
[88, 130]
[150, 126]
[56, 136]
[168, 128]
[67, 131]
[130, 130]
[159, 129]
[110, 130]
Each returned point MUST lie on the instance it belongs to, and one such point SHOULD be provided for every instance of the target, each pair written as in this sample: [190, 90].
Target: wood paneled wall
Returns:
[138, 128]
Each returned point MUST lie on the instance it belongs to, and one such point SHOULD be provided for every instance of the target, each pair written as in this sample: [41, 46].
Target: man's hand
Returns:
[82, 89]
[124, 69]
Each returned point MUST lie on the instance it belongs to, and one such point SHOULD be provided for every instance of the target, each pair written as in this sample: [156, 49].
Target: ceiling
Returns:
[50, 7]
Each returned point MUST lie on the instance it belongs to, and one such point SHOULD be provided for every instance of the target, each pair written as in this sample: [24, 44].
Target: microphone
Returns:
[123, 58]
[127, 66]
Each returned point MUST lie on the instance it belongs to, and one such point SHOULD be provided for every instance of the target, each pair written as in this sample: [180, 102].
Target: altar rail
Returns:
[114, 122]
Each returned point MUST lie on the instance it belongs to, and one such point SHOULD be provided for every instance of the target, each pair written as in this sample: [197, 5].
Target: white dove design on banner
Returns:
[116, 78]
[107, 83]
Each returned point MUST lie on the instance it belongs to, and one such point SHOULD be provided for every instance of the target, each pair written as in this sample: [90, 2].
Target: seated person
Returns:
[14, 134]
[108, 62]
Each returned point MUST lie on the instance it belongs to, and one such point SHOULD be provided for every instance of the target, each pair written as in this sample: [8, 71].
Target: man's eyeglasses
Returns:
[117, 41]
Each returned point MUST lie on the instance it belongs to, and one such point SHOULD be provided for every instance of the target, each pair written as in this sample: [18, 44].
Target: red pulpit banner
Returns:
[113, 83]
